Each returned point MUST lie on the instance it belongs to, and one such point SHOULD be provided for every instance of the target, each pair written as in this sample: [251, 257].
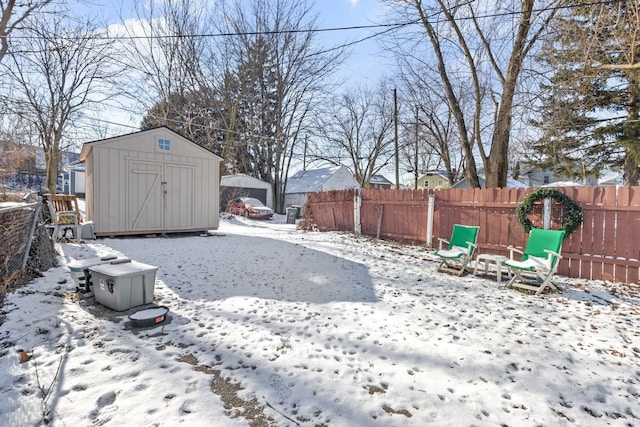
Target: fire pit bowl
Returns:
[148, 316]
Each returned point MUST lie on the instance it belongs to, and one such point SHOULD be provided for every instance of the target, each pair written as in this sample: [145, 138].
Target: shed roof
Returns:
[87, 146]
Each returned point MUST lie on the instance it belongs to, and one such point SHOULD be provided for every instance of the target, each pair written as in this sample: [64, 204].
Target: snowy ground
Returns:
[273, 326]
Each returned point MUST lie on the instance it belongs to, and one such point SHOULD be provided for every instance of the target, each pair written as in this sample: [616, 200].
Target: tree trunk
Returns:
[52, 160]
[471, 172]
[632, 145]
[498, 161]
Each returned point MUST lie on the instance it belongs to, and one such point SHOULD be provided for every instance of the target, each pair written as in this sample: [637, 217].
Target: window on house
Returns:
[440, 182]
[164, 144]
[545, 179]
[426, 183]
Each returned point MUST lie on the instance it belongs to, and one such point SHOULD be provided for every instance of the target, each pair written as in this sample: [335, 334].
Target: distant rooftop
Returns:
[309, 181]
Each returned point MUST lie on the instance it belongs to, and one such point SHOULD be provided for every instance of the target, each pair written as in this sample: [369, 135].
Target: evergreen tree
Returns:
[192, 115]
[590, 109]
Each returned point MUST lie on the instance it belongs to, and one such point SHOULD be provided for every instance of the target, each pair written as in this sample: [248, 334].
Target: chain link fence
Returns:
[26, 248]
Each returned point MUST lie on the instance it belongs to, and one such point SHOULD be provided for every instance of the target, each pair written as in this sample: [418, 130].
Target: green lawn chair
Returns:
[455, 258]
[538, 262]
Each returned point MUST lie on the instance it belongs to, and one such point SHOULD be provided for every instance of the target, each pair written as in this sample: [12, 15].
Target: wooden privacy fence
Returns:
[605, 247]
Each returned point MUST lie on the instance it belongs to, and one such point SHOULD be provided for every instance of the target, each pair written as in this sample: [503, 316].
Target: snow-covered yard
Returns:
[273, 326]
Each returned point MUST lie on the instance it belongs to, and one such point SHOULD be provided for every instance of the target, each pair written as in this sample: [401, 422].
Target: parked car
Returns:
[249, 207]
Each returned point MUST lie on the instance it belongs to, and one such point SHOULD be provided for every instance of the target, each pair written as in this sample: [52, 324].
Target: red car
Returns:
[249, 207]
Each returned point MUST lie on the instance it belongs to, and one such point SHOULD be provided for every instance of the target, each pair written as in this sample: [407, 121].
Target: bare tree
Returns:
[280, 73]
[487, 48]
[58, 71]
[12, 16]
[432, 128]
[357, 131]
[165, 44]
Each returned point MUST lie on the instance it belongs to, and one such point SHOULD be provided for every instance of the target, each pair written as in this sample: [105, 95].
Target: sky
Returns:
[305, 328]
[365, 65]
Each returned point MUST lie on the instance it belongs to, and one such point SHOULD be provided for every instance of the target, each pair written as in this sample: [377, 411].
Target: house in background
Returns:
[380, 182]
[19, 167]
[511, 183]
[316, 180]
[241, 185]
[433, 179]
[538, 177]
[565, 183]
[72, 179]
[153, 181]
[610, 178]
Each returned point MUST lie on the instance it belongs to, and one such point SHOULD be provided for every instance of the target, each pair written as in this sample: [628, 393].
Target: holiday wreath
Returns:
[572, 221]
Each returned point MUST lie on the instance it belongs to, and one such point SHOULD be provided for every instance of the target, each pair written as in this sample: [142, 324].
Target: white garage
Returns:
[153, 181]
[241, 185]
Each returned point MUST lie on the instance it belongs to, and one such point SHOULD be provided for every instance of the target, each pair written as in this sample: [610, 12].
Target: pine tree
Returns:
[589, 116]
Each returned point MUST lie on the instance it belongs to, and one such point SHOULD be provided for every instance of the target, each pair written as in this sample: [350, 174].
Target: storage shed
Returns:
[315, 180]
[153, 181]
[241, 185]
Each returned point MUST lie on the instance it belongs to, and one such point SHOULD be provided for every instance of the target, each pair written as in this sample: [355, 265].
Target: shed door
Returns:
[144, 199]
[160, 196]
[178, 196]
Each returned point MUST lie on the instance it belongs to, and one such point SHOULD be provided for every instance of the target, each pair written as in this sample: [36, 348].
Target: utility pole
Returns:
[415, 166]
[304, 156]
[395, 116]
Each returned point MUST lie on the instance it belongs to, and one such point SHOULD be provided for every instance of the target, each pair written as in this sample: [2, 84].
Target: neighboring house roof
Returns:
[311, 181]
[435, 172]
[379, 180]
[611, 178]
[562, 184]
[514, 183]
[511, 183]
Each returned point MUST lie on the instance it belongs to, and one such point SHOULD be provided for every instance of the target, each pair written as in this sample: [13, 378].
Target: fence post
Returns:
[430, 206]
[546, 213]
[36, 216]
[357, 205]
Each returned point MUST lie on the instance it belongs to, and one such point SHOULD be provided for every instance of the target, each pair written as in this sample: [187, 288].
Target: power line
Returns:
[386, 27]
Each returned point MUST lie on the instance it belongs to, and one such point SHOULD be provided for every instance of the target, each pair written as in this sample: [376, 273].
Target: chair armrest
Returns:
[550, 252]
[512, 250]
[551, 255]
[441, 240]
[472, 247]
